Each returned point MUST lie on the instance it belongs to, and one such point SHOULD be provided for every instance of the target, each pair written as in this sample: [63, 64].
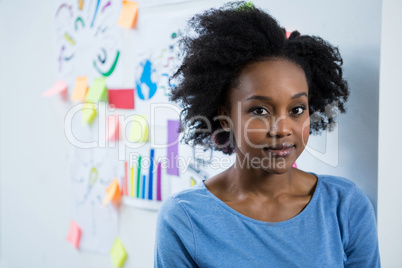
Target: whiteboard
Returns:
[35, 155]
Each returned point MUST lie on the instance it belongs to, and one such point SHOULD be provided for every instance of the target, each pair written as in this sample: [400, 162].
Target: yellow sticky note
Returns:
[80, 88]
[113, 193]
[88, 113]
[128, 15]
[98, 91]
[139, 129]
[118, 253]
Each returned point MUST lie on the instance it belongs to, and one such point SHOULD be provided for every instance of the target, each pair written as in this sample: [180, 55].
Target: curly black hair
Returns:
[221, 42]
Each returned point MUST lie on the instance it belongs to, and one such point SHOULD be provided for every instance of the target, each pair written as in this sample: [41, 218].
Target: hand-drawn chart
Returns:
[92, 170]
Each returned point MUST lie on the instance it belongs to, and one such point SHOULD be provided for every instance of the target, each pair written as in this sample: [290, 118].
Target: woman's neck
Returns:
[245, 180]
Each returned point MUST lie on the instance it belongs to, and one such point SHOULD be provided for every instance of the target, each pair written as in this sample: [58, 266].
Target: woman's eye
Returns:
[298, 110]
[260, 111]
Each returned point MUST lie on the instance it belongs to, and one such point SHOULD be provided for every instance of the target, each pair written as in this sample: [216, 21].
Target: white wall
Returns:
[390, 134]
[355, 27]
[34, 189]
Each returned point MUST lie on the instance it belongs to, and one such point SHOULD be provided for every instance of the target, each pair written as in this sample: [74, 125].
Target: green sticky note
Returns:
[97, 91]
[88, 113]
[139, 129]
[118, 253]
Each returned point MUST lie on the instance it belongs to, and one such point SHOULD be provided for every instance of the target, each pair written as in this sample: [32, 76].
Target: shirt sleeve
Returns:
[174, 241]
[362, 247]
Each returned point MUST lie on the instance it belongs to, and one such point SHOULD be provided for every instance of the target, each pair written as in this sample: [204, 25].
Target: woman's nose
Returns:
[280, 127]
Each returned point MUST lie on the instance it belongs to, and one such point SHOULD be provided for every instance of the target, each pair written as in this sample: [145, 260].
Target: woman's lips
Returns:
[283, 149]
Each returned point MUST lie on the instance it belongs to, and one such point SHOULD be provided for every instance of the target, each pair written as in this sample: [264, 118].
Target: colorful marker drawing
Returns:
[69, 57]
[146, 80]
[200, 172]
[167, 57]
[104, 56]
[105, 6]
[60, 57]
[93, 177]
[110, 71]
[198, 164]
[168, 61]
[79, 19]
[64, 7]
[162, 52]
[100, 30]
[87, 36]
[96, 11]
[69, 39]
[91, 172]
[175, 35]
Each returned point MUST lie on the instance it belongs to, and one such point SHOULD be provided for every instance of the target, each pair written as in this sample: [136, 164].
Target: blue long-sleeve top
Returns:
[336, 229]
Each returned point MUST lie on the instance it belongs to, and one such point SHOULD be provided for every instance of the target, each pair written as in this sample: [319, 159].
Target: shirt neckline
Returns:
[289, 221]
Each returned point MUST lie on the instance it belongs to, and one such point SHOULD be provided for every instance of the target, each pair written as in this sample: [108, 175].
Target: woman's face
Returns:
[269, 115]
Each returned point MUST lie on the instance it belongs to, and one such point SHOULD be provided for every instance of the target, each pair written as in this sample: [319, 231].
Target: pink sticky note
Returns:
[112, 126]
[294, 165]
[60, 87]
[121, 98]
[74, 234]
[288, 34]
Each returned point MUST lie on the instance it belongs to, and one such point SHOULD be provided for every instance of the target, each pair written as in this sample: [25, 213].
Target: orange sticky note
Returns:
[60, 87]
[74, 234]
[112, 193]
[112, 127]
[80, 88]
[128, 15]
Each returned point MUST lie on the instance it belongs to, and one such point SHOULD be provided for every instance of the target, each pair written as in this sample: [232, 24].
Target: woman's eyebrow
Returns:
[265, 98]
[298, 95]
[259, 97]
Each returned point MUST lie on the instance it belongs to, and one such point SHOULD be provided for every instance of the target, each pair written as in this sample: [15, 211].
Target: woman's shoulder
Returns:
[343, 190]
[190, 194]
[338, 184]
[336, 181]
[185, 200]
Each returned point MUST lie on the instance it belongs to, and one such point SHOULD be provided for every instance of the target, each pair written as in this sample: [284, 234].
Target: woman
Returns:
[261, 95]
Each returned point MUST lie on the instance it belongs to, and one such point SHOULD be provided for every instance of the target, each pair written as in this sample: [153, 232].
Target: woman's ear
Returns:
[224, 118]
